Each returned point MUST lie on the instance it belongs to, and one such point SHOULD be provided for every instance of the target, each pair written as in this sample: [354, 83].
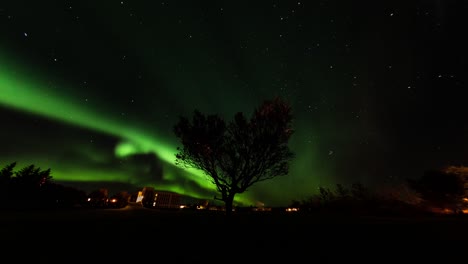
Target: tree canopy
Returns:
[237, 154]
[440, 188]
[33, 187]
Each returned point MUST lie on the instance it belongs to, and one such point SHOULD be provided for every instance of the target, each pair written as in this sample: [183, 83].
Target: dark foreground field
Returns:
[143, 234]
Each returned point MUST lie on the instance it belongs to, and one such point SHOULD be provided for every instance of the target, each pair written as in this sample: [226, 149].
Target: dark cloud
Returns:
[146, 167]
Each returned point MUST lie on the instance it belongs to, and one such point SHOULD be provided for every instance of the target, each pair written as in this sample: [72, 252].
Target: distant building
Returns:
[149, 197]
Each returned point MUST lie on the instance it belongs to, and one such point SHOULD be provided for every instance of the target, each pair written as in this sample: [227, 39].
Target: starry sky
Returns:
[92, 89]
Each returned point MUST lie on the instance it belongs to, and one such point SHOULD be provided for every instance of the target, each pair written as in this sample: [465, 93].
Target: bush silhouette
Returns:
[33, 188]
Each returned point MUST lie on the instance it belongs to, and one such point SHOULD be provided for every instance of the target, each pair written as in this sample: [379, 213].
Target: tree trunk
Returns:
[228, 204]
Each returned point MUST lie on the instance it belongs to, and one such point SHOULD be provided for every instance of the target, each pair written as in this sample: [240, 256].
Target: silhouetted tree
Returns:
[360, 192]
[32, 187]
[32, 177]
[439, 188]
[7, 172]
[326, 195]
[356, 199]
[342, 192]
[6, 175]
[238, 154]
[23, 188]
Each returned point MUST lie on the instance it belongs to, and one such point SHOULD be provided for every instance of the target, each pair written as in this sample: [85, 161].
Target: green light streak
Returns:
[25, 94]
[124, 149]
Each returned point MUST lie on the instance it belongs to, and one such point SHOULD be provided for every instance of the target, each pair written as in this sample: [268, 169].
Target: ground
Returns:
[185, 235]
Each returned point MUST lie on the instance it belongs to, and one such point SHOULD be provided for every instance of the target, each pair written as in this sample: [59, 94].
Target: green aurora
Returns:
[92, 89]
[37, 99]
[59, 108]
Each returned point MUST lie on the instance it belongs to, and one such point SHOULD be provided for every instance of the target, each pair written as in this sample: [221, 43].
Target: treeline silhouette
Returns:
[33, 188]
[439, 191]
[436, 191]
[239, 153]
[358, 199]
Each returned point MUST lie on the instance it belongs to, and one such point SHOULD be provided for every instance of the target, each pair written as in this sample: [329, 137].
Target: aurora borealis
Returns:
[92, 89]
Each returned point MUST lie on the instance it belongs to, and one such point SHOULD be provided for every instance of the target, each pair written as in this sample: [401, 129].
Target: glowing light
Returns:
[25, 91]
[37, 99]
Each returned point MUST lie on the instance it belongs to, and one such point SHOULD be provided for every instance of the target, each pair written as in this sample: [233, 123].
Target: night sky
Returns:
[92, 89]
